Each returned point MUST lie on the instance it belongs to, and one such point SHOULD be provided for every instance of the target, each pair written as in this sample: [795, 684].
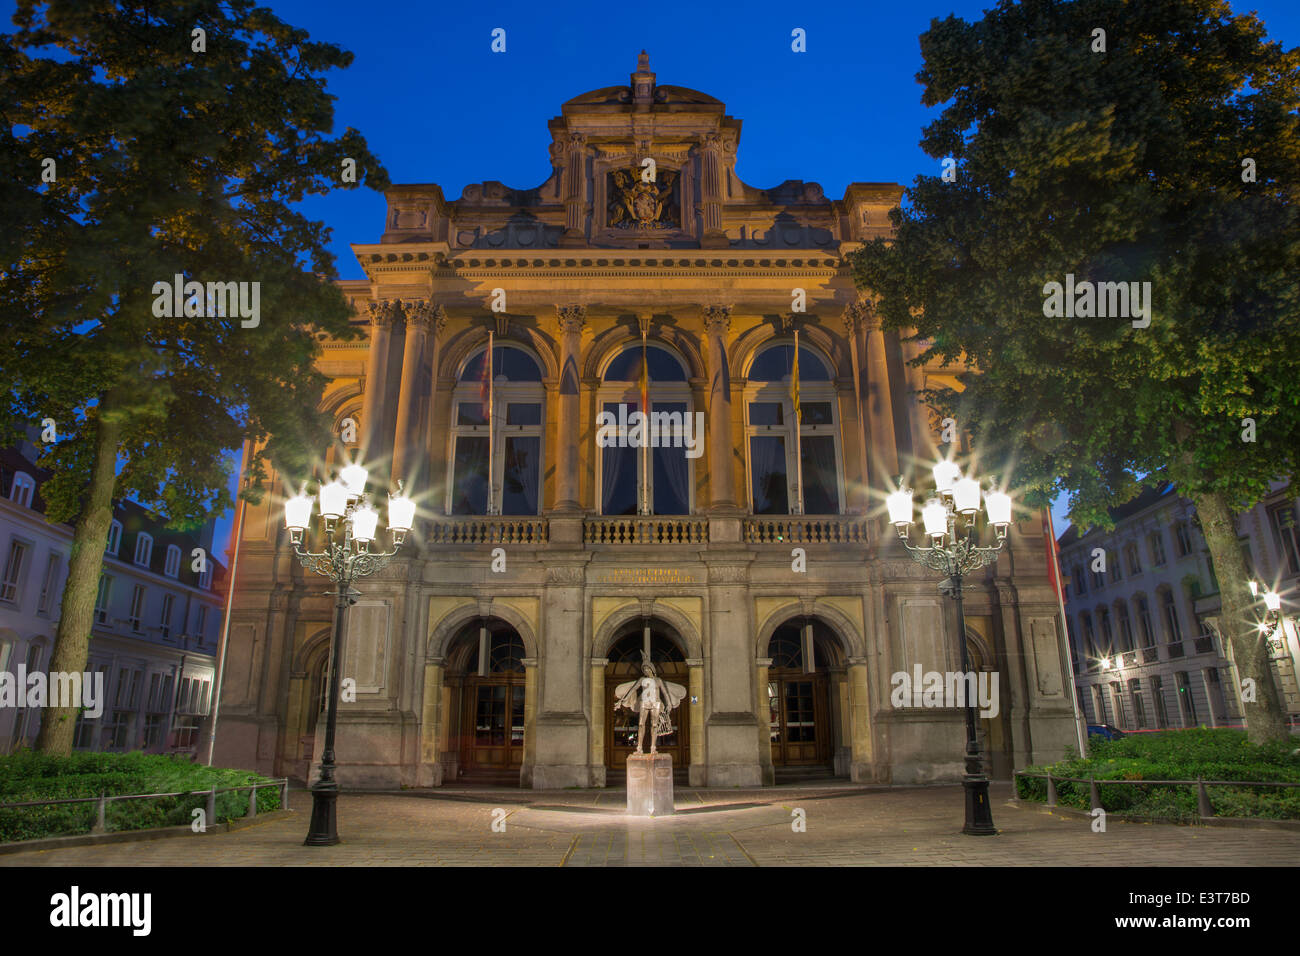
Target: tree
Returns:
[1122, 160]
[181, 133]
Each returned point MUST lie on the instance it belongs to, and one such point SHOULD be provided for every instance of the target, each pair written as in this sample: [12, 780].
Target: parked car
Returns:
[1105, 732]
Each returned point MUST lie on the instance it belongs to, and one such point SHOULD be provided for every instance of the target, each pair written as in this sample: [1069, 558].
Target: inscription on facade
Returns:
[644, 576]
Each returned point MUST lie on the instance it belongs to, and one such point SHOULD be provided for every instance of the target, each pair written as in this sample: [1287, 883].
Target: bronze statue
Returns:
[653, 698]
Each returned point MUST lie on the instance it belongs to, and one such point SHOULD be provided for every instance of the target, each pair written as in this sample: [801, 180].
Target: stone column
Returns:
[694, 704]
[563, 723]
[859, 492]
[711, 192]
[424, 322]
[570, 319]
[381, 323]
[878, 399]
[598, 704]
[530, 722]
[763, 710]
[924, 439]
[732, 724]
[429, 772]
[722, 494]
[861, 769]
[573, 154]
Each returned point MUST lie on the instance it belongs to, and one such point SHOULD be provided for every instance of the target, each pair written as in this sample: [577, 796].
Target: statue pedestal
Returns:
[650, 785]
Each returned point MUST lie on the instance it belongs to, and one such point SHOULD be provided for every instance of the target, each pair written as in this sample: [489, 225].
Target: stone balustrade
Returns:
[806, 529]
[648, 530]
[474, 529]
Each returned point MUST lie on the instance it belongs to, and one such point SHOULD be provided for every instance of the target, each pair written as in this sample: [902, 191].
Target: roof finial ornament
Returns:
[643, 83]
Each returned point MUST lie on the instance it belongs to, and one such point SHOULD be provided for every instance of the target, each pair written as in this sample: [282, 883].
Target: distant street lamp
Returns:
[349, 527]
[955, 554]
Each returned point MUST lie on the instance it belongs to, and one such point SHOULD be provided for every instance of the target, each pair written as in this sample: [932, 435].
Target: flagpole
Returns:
[643, 454]
[491, 475]
[798, 423]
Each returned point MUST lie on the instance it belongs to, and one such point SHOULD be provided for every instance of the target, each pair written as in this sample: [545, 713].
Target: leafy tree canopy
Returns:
[168, 160]
[1117, 166]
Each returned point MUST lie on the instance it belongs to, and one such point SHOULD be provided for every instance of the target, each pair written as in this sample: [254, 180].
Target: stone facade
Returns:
[708, 274]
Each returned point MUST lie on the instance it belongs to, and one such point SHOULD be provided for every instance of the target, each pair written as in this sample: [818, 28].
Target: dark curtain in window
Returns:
[470, 477]
[672, 494]
[821, 494]
[767, 475]
[521, 475]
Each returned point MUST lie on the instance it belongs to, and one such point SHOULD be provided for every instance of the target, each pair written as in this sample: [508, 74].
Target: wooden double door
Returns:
[799, 718]
[493, 718]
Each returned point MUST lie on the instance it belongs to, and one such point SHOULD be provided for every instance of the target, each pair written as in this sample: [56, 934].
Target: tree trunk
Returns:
[1239, 618]
[77, 612]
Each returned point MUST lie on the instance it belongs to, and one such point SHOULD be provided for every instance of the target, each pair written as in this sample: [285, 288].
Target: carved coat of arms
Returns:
[640, 205]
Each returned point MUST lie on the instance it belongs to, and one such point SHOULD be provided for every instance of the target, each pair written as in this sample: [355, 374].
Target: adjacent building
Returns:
[157, 621]
[511, 332]
[1144, 612]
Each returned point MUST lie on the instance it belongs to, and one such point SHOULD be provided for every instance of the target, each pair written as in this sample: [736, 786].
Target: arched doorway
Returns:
[624, 658]
[992, 738]
[488, 734]
[802, 722]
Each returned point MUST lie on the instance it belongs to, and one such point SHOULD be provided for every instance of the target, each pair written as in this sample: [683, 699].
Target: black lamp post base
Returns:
[324, 821]
[979, 815]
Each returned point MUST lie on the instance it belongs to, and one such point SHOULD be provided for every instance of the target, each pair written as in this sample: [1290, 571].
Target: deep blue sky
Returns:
[437, 106]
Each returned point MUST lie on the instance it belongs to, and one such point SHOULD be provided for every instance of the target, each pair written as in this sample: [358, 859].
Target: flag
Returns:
[645, 381]
[485, 381]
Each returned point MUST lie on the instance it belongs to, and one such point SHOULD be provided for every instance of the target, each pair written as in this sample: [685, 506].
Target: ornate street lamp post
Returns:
[349, 525]
[955, 553]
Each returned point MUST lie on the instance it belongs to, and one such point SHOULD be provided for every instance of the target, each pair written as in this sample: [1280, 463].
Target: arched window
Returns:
[114, 538]
[785, 444]
[173, 565]
[1172, 626]
[645, 464]
[1145, 631]
[20, 493]
[143, 549]
[496, 453]
[1125, 626]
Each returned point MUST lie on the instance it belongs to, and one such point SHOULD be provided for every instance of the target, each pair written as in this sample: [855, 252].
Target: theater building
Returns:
[751, 561]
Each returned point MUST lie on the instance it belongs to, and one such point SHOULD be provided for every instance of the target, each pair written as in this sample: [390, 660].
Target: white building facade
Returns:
[156, 627]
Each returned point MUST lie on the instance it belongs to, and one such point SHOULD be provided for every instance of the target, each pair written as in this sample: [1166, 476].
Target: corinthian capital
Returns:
[425, 316]
[570, 318]
[861, 314]
[382, 313]
[717, 319]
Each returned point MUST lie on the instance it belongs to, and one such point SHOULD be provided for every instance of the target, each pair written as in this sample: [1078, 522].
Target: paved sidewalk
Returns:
[845, 826]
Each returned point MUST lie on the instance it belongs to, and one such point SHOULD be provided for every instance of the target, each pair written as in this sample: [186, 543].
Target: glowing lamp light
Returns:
[354, 479]
[935, 517]
[899, 504]
[945, 473]
[401, 515]
[997, 504]
[1272, 600]
[364, 522]
[297, 514]
[1254, 589]
[333, 500]
[966, 496]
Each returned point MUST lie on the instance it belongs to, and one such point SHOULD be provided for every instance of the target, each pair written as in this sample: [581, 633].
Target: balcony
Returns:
[1205, 644]
[1130, 658]
[1173, 650]
[488, 529]
[832, 529]
[649, 530]
[1150, 655]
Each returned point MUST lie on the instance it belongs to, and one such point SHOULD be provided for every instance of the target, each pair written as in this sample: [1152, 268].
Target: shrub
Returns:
[26, 776]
